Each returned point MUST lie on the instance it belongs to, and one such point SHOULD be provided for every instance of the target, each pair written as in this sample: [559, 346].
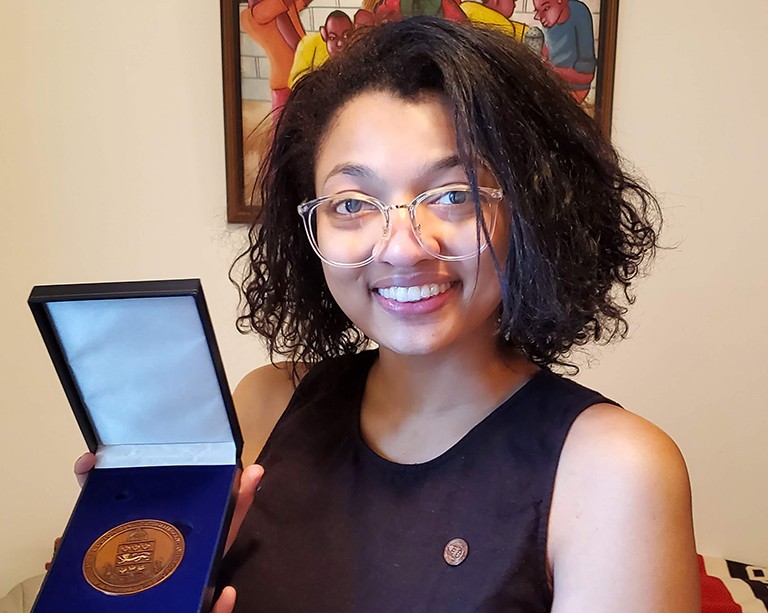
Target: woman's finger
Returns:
[56, 544]
[226, 602]
[249, 480]
[83, 465]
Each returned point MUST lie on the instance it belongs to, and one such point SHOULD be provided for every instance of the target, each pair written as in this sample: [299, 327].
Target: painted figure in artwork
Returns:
[569, 42]
[316, 48]
[397, 10]
[364, 18]
[276, 27]
[336, 31]
[497, 13]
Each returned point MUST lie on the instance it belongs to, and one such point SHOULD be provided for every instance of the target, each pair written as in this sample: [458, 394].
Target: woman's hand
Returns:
[249, 480]
[226, 602]
[83, 466]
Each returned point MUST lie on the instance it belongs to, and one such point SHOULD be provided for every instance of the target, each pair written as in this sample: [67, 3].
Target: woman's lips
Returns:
[413, 293]
[414, 299]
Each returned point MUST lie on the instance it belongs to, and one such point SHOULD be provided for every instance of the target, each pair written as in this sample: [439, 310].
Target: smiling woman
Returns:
[437, 193]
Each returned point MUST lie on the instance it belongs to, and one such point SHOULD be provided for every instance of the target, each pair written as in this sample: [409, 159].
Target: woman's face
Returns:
[393, 150]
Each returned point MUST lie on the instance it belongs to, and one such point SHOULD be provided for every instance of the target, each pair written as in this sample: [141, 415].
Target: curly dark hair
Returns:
[581, 227]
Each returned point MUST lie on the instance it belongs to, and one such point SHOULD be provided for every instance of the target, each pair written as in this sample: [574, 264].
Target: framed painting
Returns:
[267, 44]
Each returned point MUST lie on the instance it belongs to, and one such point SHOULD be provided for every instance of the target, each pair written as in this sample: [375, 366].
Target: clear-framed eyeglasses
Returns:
[349, 229]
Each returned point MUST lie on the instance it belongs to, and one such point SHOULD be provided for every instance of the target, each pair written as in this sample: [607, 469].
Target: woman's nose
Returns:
[401, 248]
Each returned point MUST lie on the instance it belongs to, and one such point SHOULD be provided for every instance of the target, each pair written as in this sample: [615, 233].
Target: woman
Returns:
[435, 192]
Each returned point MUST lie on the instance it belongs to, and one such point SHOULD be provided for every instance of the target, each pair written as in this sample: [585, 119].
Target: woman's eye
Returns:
[453, 197]
[350, 206]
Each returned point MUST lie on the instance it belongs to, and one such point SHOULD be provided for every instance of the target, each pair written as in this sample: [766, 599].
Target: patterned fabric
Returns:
[732, 587]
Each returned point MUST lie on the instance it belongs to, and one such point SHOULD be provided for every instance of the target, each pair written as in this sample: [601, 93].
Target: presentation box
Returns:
[142, 372]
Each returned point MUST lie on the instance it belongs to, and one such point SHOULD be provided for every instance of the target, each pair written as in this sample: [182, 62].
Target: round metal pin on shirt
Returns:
[133, 557]
[456, 551]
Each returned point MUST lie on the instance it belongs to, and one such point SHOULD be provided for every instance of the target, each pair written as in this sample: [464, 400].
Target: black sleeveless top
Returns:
[336, 528]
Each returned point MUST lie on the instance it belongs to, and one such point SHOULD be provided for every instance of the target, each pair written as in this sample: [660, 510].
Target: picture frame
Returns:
[251, 85]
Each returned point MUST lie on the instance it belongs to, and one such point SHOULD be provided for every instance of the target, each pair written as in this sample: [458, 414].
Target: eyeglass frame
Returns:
[305, 209]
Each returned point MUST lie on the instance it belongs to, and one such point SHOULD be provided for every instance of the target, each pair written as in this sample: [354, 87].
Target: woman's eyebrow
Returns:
[449, 161]
[358, 171]
[361, 171]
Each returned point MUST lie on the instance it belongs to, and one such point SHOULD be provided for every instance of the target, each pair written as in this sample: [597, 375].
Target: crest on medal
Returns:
[133, 557]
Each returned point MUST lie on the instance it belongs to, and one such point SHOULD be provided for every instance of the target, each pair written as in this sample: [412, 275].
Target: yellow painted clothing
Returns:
[479, 13]
[311, 53]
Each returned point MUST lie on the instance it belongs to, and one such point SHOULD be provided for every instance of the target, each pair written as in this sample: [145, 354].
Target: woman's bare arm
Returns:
[621, 532]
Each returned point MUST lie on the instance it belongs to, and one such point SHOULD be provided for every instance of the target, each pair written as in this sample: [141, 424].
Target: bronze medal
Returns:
[133, 557]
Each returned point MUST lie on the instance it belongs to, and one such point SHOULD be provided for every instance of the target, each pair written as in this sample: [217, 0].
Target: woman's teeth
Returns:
[414, 293]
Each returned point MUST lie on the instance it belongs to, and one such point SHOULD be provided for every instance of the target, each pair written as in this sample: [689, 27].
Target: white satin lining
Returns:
[180, 454]
[146, 377]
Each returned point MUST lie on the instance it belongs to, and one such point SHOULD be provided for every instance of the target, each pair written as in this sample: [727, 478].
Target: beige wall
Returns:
[111, 135]
[111, 167]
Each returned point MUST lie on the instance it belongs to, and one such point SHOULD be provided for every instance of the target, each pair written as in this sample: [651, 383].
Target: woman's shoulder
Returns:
[260, 399]
[263, 394]
[608, 446]
[622, 509]
[615, 443]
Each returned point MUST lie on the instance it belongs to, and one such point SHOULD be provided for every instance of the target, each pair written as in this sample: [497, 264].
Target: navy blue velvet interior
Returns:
[192, 498]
